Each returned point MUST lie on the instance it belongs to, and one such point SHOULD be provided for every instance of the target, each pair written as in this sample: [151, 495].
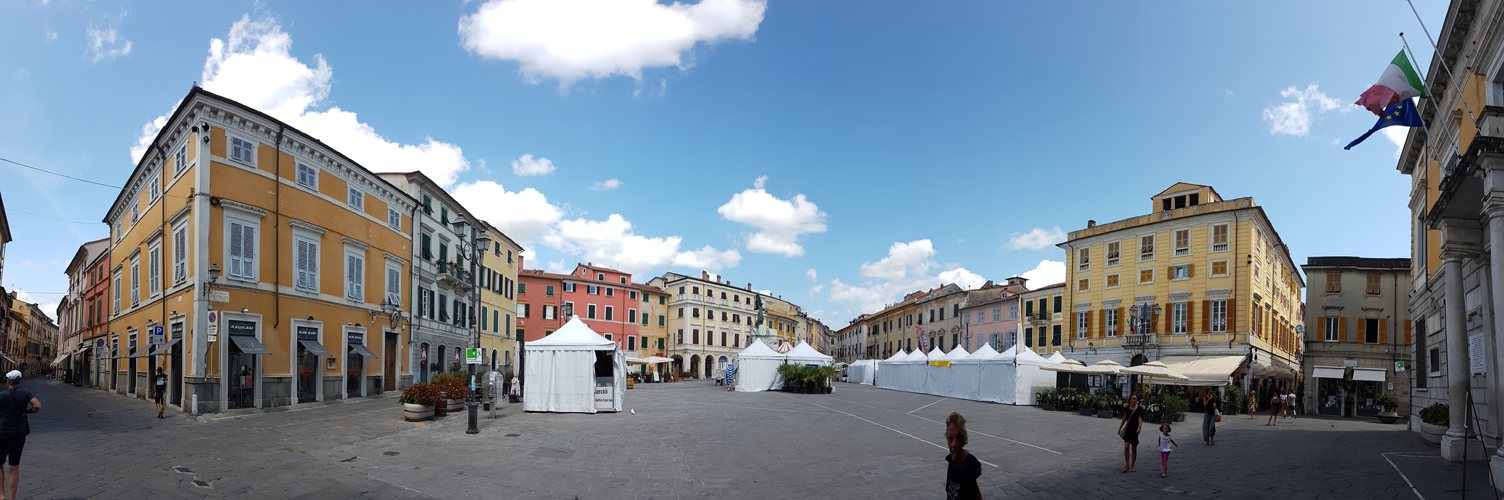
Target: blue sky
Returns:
[887, 146]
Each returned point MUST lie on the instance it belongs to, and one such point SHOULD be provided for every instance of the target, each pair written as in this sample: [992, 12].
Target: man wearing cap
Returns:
[15, 404]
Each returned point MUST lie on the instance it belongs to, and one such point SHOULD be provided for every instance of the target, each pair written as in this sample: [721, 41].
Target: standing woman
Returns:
[1208, 418]
[963, 470]
[1253, 403]
[1274, 406]
[1133, 422]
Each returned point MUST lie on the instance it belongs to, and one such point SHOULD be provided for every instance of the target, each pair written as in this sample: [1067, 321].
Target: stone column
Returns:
[1461, 238]
[1494, 209]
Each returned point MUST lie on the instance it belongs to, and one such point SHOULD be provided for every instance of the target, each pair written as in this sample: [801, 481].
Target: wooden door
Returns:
[389, 373]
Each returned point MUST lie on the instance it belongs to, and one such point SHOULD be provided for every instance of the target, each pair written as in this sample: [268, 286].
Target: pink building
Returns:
[991, 314]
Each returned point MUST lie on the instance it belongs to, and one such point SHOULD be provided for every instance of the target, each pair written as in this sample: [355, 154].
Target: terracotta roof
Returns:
[539, 273]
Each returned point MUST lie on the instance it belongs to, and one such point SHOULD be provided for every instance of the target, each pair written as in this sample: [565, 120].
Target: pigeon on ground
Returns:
[634, 412]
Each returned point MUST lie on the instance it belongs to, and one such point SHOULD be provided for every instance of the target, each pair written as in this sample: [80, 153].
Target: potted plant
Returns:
[418, 402]
[1106, 400]
[1174, 408]
[1434, 420]
[508, 379]
[1086, 404]
[1388, 404]
[1046, 399]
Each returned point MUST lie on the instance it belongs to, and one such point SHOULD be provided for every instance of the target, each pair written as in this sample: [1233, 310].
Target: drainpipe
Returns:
[277, 236]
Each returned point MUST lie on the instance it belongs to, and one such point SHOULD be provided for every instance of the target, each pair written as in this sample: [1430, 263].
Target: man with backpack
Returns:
[15, 404]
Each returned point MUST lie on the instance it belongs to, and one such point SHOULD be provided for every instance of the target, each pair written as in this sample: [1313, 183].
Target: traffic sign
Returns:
[472, 356]
[213, 326]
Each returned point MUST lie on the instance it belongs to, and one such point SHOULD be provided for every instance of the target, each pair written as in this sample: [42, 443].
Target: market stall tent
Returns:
[862, 371]
[803, 354]
[967, 373]
[574, 370]
[883, 365]
[942, 380]
[757, 368]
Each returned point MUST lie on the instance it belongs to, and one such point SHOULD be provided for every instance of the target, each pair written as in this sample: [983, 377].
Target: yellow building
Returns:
[1043, 320]
[498, 299]
[1198, 278]
[270, 267]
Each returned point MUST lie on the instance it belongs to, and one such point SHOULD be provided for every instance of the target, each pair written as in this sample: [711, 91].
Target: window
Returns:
[1219, 316]
[623, 280]
[1112, 253]
[600, 276]
[118, 232]
[592, 290]
[1146, 247]
[423, 300]
[660, 299]
[549, 311]
[696, 312]
[1058, 300]
[1258, 271]
[180, 161]
[135, 281]
[547, 290]
[1111, 322]
[156, 186]
[590, 311]
[1083, 324]
[681, 312]
[1112, 280]
[116, 309]
[1435, 362]
[180, 255]
[609, 313]
[307, 265]
[1145, 276]
[569, 287]
[997, 313]
[1083, 259]
[1013, 311]
[355, 277]
[610, 292]
[154, 266]
[631, 342]
[308, 177]
[1219, 238]
[1373, 285]
[483, 317]
[394, 283]
[242, 151]
[357, 199]
[1054, 335]
[695, 335]
[242, 251]
[1083, 284]
[1219, 268]
[660, 320]
[1333, 324]
[394, 219]
[1182, 271]
[1371, 331]
[633, 296]
[1178, 313]
[1029, 308]
[1333, 282]
[1182, 242]
[135, 212]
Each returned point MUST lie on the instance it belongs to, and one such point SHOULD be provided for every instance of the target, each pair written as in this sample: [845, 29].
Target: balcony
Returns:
[1140, 340]
[454, 277]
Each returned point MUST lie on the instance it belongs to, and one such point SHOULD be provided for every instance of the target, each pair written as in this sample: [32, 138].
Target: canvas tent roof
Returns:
[575, 335]
[759, 350]
[935, 354]
[897, 356]
[984, 352]
[1056, 357]
[915, 356]
[954, 354]
[804, 351]
[1204, 370]
[1028, 356]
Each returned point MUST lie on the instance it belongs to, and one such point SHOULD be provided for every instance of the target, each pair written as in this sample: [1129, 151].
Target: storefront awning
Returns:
[7, 359]
[165, 347]
[1328, 372]
[60, 358]
[1204, 371]
[113, 355]
[142, 352]
[362, 351]
[1368, 375]
[249, 344]
[315, 347]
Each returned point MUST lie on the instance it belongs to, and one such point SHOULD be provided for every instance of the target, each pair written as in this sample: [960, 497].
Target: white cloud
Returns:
[527, 166]
[256, 68]
[1036, 239]
[104, 41]
[813, 274]
[1396, 135]
[22, 74]
[1228, 93]
[50, 308]
[572, 40]
[525, 216]
[780, 221]
[51, 36]
[903, 261]
[1294, 118]
[607, 185]
[960, 276]
[815, 289]
[708, 258]
[1048, 272]
[906, 269]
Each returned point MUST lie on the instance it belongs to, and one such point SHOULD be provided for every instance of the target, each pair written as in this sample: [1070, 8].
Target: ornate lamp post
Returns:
[477, 243]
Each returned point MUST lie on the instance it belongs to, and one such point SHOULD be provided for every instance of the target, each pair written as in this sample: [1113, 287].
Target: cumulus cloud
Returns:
[46, 305]
[255, 67]
[1294, 117]
[780, 221]
[1048, 272]
[1036, 239]
[570, 40]
[607, 185]
[813, 275]
[530, 219]
[526, 166]
[906, 269]
[104, 42]
[815, 289]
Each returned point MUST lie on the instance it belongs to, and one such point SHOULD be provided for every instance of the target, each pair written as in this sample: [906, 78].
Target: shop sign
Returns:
[237, 327]
[177, 330]
[308, 333]
[1399, 366]
[603, 396]
[472, 356]
[358, 338]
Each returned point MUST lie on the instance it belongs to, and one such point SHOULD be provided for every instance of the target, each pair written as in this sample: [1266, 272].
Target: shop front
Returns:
[1329, 392]
[1368, 384]
[309, 352]
[241, 370]
[356, 354]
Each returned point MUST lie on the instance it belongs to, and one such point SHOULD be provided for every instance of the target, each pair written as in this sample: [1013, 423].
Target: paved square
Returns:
[696, 440]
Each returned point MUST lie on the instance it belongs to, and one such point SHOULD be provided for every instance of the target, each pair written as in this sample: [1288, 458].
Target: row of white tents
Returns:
[1013, 376]
[757, 365]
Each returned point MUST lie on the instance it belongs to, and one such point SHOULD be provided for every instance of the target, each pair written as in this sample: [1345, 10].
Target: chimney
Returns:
[704, 275]
[749, 286]
[1091, 223]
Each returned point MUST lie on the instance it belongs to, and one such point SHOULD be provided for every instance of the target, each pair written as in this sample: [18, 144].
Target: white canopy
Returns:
[954, 354]
[561, 371]
[897, 356]
[805, 354]
[1056, 357]
[984, 352]
[757, 368]
[935, 354]
[862, 371]
[1205, 371]
[915, 356]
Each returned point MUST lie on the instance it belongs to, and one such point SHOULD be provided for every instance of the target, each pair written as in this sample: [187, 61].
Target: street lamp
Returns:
[477, 243]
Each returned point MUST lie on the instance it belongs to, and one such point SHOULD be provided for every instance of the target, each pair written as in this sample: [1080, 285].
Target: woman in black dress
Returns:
[1133, 422]
[963, 468]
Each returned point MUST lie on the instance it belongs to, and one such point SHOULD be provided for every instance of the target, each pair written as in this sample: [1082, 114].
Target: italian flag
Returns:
[1399, 82]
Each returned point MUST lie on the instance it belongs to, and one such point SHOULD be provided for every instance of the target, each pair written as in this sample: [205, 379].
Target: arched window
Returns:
[438, 366]
[493, 359]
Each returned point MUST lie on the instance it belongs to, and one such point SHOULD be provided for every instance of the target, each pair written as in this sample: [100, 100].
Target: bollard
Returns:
[195, 404]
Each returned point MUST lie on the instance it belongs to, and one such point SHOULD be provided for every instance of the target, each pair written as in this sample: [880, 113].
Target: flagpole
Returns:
[1442, 61]
[1424, 127]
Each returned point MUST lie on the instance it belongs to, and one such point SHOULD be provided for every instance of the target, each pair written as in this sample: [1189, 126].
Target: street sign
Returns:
[1399, 366]
[158, 335]
[472, 356]
[213, 326]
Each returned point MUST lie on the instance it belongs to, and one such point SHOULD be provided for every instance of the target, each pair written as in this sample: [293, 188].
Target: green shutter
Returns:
[482, 317]
[427, 205]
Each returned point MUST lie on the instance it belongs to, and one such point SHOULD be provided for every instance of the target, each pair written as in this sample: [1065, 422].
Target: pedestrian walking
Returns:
[1164, 449]
[15, 404]
[159, 391]
[1133, 422]
[1253, 404]
[1290, 405]
[1209, 418]
[962, 468]
[1274, 406]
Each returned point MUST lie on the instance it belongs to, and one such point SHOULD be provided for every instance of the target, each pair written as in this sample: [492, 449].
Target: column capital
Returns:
[1460, 238]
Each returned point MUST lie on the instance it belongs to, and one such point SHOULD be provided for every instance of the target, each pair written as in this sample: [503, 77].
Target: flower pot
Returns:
[1431, 433]
[1104, 413]
[442, 410]
[414, 413]
[1388, 417]
[1046, 407]
[513, 398]
[1086, 412]
[456, 406]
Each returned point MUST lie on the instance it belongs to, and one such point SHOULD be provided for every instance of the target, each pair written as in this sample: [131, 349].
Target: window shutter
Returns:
[360, 278]
[1342, 329]
[1407, 332]
[1167, 315]
[1190, 270]
[1206, 316]
[350, 278]
[1232, 318]
[1122, 321]
[248, 250]
[236, 247]
[1383, 331]
[302, 265]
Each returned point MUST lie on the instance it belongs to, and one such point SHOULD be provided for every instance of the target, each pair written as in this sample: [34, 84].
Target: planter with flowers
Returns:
[418, 402]
[455, 388]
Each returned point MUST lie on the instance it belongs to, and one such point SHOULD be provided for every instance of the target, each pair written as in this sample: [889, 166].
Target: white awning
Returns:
[1327, 372]
[1204, 371]
[1368, 375]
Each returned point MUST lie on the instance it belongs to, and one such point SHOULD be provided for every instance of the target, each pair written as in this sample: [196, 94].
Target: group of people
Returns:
[1132, 425]
[1279, 404]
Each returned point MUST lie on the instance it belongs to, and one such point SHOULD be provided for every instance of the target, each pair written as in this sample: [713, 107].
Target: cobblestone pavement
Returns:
[696, 440]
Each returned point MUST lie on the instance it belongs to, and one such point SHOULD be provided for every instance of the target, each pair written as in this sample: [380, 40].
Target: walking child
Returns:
[1164, 449]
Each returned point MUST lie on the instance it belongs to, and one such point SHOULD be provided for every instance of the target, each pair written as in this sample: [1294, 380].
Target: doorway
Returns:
[175, 387]
[241, 388]
[389, 362]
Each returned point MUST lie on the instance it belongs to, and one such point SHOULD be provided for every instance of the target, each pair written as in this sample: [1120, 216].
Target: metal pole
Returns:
[470, 407]
[1441, 61]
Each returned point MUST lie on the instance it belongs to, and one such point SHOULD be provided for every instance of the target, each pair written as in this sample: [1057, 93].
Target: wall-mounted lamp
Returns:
[244, 310]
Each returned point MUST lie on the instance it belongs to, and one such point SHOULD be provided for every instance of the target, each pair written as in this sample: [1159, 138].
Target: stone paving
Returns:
[693, 439]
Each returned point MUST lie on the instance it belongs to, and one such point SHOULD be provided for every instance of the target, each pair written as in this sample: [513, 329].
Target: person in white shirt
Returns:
[1164, 449]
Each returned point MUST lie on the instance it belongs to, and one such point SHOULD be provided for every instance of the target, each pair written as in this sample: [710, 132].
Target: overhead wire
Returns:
[7, 160]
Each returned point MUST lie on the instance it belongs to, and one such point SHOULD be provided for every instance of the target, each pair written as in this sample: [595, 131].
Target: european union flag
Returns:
[1402, 113]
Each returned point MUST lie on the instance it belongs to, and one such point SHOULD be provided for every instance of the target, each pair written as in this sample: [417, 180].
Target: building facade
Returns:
[540, 297]
[1043, 320]
[441, 277]
[652, 320]
[96, 331]
[991, 314]
[498, 299]
[1357, 326]
[255, 265]
[939, 315]
[1197, 277]
[75, 310]
[709, 321]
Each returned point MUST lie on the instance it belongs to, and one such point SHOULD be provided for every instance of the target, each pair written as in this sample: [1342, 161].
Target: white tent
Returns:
[885, 365]
[967, 373]
[757, 368]
[803, 354]
[1056, 357]
[564, 372]
[862, 371]
[906, 374]
[942, 380]
[1029, 379]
